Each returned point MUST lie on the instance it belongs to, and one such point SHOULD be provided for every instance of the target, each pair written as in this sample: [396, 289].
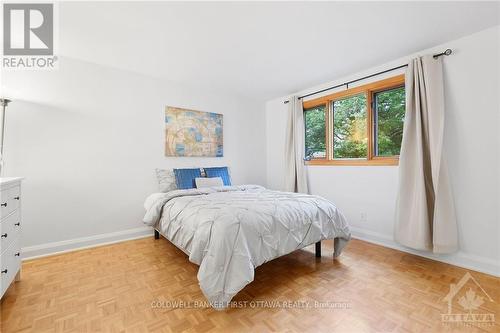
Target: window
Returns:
[349, 127]
[358, 126]
[315, 137]
[389, 116]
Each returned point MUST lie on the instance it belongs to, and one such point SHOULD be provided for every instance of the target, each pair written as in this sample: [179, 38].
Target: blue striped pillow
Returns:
[222, 172]
[185, 178]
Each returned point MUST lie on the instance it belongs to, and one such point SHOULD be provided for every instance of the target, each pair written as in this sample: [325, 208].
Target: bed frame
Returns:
[317, 249]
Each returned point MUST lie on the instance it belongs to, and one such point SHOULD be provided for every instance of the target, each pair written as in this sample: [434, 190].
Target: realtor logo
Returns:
[28, 29]
[469, 294]
[28, 36]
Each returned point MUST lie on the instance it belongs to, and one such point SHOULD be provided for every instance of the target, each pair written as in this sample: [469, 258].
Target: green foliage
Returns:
[315, 131]
[349, 127]
[390, 107]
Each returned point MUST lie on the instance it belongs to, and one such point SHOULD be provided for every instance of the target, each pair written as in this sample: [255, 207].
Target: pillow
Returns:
[166, 180]
[208, 182]
[222, 172]
[185, 178]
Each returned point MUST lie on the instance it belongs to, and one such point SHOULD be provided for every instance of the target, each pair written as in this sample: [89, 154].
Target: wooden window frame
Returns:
[369, 90]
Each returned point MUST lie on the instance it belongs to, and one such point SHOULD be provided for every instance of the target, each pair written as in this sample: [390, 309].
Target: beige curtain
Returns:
[295, 173]
[425, 214]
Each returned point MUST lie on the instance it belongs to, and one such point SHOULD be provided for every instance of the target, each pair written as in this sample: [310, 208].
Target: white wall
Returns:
[88, 138]
[471, 146]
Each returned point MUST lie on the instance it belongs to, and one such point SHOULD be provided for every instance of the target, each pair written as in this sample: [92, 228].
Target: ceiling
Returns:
[261, 50]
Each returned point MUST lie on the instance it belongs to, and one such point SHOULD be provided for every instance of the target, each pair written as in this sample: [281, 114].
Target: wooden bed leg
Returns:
[157, 234]
[318, 249]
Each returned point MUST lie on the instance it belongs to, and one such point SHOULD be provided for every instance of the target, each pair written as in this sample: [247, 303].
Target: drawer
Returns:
[9, 229]
[14, 197]
[10, 199]
[4, 201]
[10, 263]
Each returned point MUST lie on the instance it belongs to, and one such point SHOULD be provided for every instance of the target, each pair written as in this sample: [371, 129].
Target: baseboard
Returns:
[47, 249]
[461, 259]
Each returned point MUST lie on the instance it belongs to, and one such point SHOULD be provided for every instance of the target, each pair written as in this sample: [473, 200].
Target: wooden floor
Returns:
[131, 287]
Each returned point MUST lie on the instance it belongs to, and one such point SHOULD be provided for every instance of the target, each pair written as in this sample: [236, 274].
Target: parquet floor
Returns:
[131, 287]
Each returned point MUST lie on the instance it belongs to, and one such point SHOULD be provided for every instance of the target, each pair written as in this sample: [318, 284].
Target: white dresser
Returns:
[10, 232]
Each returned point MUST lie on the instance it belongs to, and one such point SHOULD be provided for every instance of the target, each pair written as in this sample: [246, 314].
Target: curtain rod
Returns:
[447, 52]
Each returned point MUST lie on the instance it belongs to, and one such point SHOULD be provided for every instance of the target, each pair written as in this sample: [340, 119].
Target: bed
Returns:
[230, 230]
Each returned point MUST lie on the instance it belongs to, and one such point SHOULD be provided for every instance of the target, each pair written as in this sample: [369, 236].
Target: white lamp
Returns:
[3, 103]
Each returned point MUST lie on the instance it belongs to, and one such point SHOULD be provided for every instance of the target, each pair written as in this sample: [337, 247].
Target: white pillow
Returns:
[166, 180]
[208, 182]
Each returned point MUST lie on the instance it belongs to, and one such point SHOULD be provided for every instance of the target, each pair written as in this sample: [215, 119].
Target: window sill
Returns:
[377, 161]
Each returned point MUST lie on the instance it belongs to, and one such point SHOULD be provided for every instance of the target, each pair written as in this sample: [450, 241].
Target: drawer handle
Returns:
[17, 198]
[4, 204]
[4, 235]
[17, 224]
[4, 271]
[17, 254]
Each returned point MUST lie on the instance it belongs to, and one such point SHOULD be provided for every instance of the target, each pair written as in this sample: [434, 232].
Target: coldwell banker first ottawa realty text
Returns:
[28, 36]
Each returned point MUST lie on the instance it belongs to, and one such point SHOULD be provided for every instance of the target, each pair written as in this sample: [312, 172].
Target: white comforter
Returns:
[229, 231]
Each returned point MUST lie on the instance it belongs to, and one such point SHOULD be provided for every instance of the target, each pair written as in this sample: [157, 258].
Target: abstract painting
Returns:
[193, 133]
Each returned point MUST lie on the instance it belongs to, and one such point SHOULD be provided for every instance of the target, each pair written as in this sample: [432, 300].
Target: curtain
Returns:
[425, 214]
[295, 173]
